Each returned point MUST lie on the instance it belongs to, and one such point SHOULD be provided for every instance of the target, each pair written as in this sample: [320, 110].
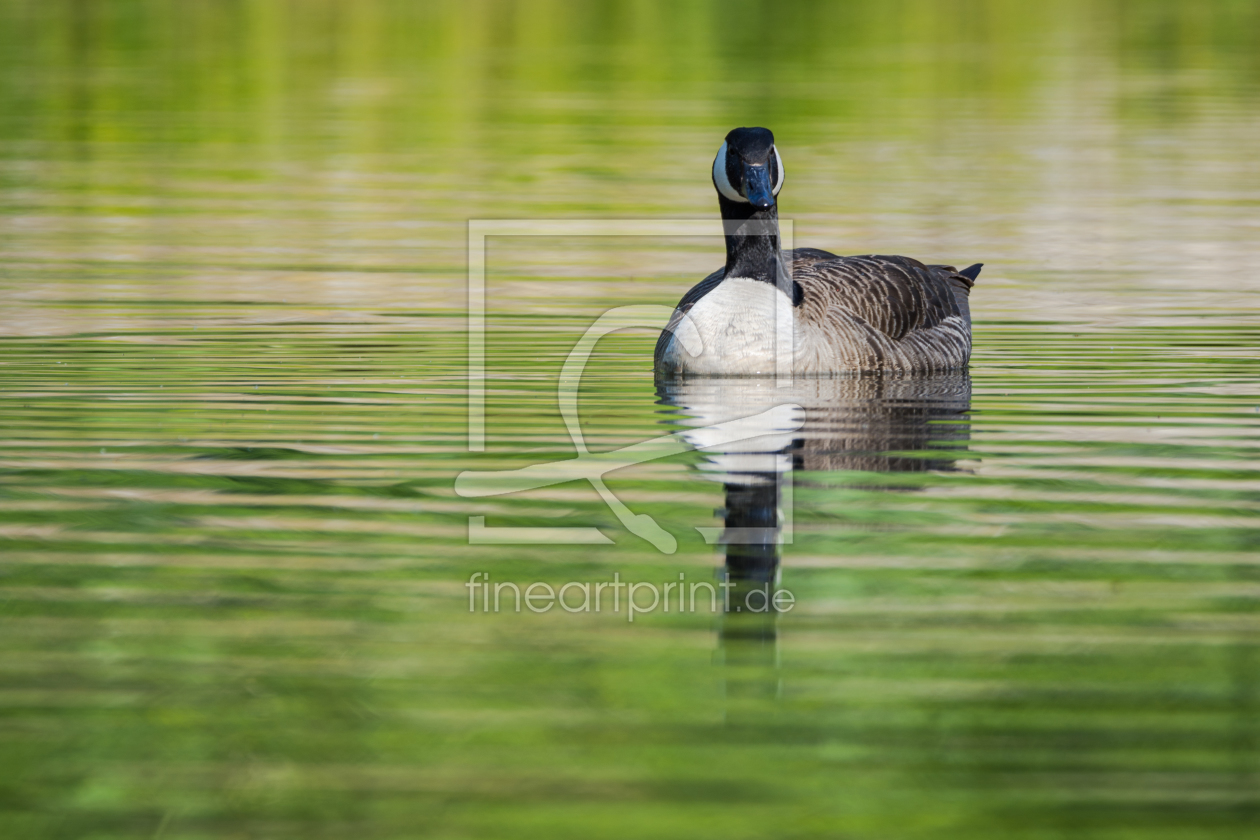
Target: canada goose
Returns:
[829, 314]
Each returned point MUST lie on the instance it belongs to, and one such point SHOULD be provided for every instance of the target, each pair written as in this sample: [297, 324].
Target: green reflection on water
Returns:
[232, 394]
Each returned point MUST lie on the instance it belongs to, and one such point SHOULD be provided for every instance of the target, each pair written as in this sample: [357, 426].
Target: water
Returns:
[233, 395]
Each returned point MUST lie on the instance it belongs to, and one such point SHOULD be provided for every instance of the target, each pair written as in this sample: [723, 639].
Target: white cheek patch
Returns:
[723, 183]
[778, 158]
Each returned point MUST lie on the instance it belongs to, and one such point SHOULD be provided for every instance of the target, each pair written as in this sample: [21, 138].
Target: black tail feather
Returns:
[971, 272]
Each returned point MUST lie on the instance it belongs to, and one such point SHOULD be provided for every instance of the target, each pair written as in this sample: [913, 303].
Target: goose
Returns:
[820, 313]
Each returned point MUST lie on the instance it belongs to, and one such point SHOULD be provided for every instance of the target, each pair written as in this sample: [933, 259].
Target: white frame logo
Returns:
[588, 465]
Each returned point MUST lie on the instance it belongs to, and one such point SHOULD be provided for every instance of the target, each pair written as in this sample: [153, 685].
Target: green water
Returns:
[233, 406]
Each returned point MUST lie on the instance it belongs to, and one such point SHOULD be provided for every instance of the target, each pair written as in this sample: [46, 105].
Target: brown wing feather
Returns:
[894, 295]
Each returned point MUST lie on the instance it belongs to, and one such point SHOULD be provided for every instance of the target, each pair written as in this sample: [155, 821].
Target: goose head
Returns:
[748, 169]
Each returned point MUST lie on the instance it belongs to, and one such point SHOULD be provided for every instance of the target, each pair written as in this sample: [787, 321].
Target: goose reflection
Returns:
[863, 423]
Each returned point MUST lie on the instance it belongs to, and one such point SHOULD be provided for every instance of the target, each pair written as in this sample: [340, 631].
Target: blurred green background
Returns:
[232, 403]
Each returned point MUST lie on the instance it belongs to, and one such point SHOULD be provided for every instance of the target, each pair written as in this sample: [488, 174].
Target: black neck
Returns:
[752, 243]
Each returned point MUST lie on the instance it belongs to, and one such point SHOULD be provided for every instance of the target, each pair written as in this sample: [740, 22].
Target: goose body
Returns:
[807, 310]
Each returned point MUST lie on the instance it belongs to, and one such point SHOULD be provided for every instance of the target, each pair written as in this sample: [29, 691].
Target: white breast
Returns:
[744, 325]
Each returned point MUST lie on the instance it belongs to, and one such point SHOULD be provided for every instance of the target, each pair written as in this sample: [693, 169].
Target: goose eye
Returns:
[778, 160]
[721, 179]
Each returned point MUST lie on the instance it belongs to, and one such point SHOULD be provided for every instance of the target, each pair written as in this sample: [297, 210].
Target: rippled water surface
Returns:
[233, 406]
